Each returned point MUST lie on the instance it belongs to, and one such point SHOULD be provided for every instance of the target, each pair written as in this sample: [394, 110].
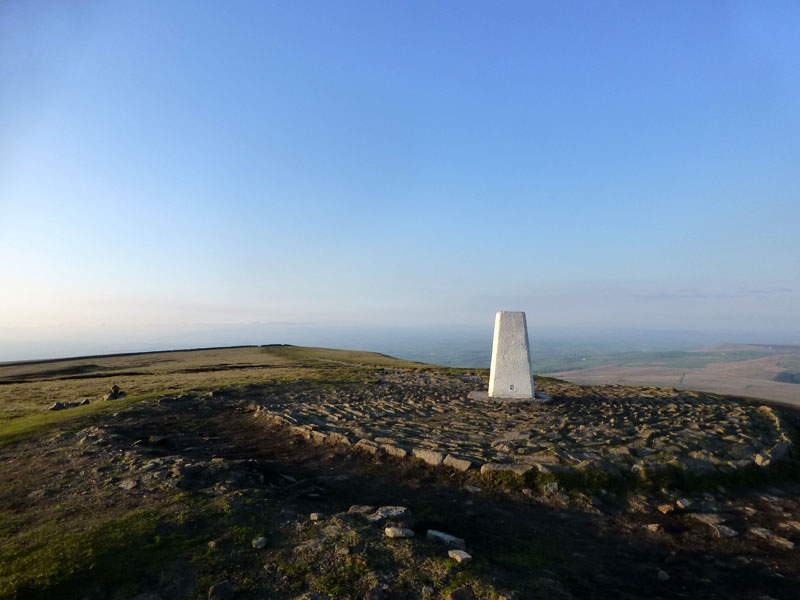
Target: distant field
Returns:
[743, 370]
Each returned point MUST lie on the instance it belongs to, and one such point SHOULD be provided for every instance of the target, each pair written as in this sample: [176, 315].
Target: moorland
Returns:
[185, 487]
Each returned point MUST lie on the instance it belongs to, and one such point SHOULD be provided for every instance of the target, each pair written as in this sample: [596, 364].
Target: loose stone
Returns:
[399, 515]
[398, 532]
[459, 464]
[724, 531]
[431, 457]
[517, 469]
[459, 556]
[448, 540]
[315, 516]
[259, 543]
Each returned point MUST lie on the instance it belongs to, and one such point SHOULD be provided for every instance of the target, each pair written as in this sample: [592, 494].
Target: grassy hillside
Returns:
[30, 387]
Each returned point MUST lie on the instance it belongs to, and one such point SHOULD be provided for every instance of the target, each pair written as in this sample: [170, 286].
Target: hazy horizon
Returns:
[449, 346]
[176, 172]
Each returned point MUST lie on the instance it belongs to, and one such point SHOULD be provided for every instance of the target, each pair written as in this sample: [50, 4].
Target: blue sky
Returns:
[166, 166]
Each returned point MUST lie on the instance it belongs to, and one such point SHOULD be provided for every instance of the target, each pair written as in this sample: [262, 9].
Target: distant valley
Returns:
[764, 371]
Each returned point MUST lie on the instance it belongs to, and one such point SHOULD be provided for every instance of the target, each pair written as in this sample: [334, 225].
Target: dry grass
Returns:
[29, 388]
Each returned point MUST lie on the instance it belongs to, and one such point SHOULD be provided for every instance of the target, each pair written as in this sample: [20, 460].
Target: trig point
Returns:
[511, 375]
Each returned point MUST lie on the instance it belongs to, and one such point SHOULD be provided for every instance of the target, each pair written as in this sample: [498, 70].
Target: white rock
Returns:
[459, 556]
[391, 513]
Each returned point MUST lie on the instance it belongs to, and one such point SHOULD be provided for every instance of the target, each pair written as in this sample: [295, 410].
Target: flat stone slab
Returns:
[443, 420]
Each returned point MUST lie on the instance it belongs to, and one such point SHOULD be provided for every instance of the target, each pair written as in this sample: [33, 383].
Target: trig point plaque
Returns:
[511, 375]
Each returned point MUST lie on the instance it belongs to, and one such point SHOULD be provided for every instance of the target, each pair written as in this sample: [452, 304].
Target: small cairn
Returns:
[114, 393]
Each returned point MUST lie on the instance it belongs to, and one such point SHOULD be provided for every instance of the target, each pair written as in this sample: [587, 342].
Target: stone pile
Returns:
[430, 417]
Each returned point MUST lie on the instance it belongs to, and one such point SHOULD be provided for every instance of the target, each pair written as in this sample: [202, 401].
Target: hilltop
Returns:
[281, 471]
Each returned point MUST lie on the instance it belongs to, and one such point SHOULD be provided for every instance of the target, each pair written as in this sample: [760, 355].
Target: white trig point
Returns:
[511, 375]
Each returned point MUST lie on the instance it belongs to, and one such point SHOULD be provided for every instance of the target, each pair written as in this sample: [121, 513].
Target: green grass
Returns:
[23, 428]
[113, 552]
[110, 551]
[29, 388]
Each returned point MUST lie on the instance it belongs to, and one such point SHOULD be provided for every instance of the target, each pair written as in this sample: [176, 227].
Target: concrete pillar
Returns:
[511, 375]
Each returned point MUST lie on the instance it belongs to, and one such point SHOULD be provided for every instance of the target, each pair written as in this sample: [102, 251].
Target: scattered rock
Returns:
[724, 531]
[464, 593]
[114, 393]
[793, 526]
[315, 516]
[459, 556]
[379, 591]
[459, 464]
[665, 508]
[771, 537]
[549, 488]
[431, 457]
[128, 484]
[398, 532]
[640, 433]
[448, 540]
[399, 516]
[683, 503]
[707, 518]
[492, 468]
[259, 543]
[662, 575]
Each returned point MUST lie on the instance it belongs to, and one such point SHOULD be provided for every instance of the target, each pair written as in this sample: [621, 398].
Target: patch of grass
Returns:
[40, 423]
[344, 579]
[69, 561]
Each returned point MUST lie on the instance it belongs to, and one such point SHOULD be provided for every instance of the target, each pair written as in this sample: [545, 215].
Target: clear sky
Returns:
[169, 166]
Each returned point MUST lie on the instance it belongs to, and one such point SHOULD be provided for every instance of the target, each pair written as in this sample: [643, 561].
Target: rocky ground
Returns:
[433, 417]
[202, 495]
